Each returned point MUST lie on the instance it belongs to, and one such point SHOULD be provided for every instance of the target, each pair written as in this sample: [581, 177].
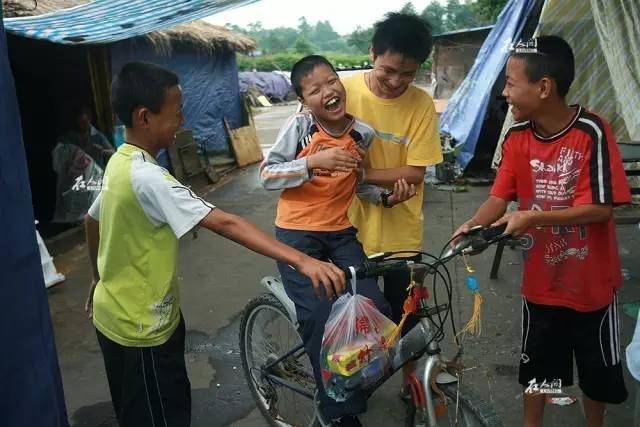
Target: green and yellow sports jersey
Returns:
[406, 133]
[143, 211]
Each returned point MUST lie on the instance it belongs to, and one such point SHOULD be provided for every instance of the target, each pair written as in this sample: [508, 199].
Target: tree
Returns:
[459, 16]
[303, 46]
[255, 27]
[452, 16]
[487, 11]
[323, 34]
[275, 43]
[434, 14]
[360, 39]
[234, 27]
[303, 26]
[409, 9]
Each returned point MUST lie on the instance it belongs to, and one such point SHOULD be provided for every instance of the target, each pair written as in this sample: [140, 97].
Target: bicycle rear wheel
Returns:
[471, 411]
[266, 334]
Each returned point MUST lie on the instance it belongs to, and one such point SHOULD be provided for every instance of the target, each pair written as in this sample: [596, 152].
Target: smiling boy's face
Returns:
[324, 94]
[523, 96]
[165, 124]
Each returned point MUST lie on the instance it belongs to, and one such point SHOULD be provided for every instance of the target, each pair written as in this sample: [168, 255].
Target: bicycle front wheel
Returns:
[464, 409]
[266, 335]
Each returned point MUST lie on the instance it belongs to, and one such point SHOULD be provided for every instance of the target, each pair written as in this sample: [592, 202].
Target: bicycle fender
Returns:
[276, 288]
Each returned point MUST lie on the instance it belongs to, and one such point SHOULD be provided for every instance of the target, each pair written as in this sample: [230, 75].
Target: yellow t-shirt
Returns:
[406, 133]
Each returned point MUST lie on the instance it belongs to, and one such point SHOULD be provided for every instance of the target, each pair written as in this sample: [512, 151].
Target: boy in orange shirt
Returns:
[316, 160]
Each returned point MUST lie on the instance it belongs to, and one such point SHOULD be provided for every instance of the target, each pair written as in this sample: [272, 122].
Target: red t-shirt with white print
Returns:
[570, 266]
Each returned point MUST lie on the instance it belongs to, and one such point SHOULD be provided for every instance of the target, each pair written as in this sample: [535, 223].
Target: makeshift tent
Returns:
[463, 117]
[274, 85]
[91, 41]
[607, 72]
[607, 79]
[208, 78]
[31, 392]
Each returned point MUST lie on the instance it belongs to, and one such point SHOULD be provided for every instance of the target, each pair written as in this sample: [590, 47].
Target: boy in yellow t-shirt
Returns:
[406, 142]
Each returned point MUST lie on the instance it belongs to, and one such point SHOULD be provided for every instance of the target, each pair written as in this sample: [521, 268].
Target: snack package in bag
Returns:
[355, 345]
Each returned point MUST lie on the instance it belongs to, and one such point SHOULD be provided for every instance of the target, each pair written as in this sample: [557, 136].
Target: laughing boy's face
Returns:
[324, 94]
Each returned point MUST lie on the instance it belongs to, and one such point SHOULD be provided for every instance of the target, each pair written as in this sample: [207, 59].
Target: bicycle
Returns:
[280, 375]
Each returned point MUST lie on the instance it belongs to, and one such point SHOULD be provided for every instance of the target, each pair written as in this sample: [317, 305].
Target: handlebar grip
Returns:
[491, 233]
[375, 268]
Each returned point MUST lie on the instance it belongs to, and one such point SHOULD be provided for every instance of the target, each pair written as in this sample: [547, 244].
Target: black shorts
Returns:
[149, 385]
[552, 335]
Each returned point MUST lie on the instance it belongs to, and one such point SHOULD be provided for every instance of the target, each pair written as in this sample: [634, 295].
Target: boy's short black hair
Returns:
[547, 56]
[304, 67]
[403, 33]
[140, 84]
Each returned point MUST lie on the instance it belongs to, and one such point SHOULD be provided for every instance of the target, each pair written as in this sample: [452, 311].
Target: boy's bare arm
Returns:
[248, 235]
[387, 177]
[518, 222]
[92, 235]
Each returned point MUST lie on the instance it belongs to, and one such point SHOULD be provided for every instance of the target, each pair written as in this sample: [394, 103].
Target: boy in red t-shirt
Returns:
[561, 163]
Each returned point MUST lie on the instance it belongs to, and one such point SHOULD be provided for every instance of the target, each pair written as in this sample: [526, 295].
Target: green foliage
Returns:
[434, 14]
[454, 15]
[279, 48]
[285, 61]
[360, 39]
[409, 8]
[487, 11]
[324, 35]
[303, 26]
[303, 47]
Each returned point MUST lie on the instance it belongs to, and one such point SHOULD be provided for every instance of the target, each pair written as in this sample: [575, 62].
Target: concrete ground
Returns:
[218, 277]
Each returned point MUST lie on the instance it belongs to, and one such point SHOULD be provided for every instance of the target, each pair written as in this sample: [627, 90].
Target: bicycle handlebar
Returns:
[477, 240]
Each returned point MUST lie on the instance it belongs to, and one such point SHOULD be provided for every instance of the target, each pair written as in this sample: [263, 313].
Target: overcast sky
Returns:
[344, 15]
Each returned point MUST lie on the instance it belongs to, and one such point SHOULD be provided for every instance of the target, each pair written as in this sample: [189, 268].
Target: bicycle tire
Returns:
[265, 302]
[474, 411]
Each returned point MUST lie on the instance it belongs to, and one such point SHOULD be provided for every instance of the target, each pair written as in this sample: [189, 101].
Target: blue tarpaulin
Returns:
[464, 114]
[108, 21]
[274, 85]
[30, 384]
[209, 83]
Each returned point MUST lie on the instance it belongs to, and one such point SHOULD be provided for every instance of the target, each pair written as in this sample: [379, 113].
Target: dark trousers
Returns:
[343, 249]
[149, 385]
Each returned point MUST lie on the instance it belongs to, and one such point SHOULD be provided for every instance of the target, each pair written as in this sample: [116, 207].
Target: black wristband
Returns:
[384, 198]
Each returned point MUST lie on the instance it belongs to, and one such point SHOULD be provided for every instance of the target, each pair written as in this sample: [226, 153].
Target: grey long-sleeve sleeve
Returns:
[281, 169]
[370, 193]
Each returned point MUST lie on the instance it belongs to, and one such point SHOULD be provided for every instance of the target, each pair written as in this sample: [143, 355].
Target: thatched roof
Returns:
[201, 34]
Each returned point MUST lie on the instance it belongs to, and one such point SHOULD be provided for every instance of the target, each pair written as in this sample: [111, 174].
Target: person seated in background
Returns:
[85, 136]
[79, 159]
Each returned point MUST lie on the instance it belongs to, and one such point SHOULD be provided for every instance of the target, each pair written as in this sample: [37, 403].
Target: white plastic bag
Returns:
[355, 345]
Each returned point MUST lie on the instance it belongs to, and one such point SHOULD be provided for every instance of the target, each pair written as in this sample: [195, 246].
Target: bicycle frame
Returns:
[417, 342]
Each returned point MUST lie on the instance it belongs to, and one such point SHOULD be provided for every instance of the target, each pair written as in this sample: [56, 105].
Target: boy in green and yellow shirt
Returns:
[132, 234]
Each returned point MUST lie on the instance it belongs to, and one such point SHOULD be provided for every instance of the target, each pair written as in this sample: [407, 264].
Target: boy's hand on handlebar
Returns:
[323, 275]
[402, 192]
[517, 222]
[461, 231]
